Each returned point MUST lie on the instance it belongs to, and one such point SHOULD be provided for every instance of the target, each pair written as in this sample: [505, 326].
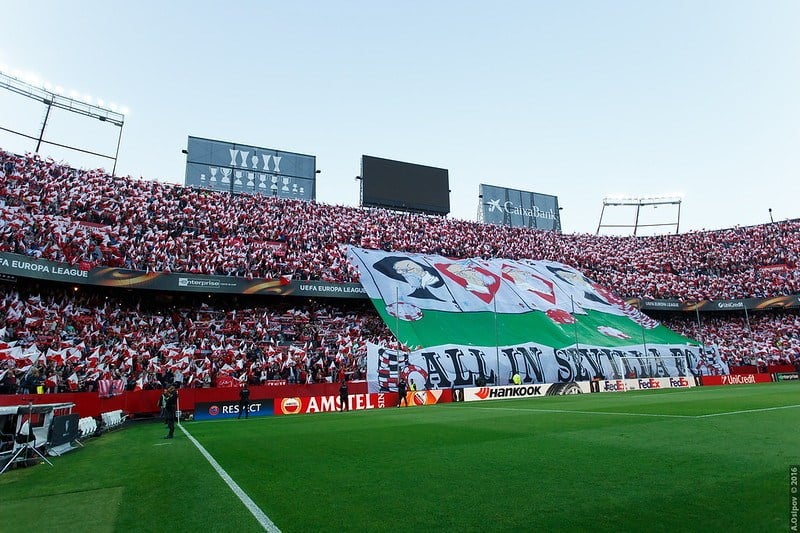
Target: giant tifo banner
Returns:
[474, 320]
[454, 366]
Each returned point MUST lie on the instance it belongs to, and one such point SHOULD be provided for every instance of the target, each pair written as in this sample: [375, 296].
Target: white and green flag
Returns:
[486, 306]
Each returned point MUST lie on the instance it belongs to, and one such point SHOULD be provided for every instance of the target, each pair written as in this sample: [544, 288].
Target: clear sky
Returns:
[579, 99]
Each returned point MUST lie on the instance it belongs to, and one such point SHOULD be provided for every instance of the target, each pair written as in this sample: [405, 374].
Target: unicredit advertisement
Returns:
[737, 379]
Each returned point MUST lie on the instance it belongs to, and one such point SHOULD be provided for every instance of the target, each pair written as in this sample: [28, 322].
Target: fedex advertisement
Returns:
[622, 385]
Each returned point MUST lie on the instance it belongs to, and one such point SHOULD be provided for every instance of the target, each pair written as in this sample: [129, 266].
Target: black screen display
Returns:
[404, 186]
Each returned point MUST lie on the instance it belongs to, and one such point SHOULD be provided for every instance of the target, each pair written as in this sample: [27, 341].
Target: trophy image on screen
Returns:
[248, 169]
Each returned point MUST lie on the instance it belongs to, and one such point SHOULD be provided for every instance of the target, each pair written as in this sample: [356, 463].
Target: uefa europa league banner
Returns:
[475, 318]
[20, 265]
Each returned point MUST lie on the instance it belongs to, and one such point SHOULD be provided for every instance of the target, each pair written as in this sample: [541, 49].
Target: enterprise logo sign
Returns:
[203, 283]
[194, 282]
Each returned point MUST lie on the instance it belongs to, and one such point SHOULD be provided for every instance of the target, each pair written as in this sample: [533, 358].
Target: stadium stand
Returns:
[69, 341]
[88, 218]
[765, 337]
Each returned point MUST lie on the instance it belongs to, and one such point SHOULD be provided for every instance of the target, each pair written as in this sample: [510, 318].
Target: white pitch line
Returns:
[748, 411]
[656, 415]
[251, 506]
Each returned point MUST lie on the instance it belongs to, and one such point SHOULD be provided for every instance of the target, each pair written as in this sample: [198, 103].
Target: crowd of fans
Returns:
[52, 211]
[66, 340]
[69, 340]
[758, 338]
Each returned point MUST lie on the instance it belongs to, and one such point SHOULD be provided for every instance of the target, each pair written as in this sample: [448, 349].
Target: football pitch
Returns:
[702, 459]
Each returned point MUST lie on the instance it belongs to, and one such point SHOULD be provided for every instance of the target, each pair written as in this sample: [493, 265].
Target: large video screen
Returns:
[404, 186]
[245, 169]
[521, 209]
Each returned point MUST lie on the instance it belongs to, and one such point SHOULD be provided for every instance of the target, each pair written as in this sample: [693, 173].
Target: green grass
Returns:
[587, 462]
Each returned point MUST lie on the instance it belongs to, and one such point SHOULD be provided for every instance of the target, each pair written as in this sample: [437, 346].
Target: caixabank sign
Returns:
[520, 209]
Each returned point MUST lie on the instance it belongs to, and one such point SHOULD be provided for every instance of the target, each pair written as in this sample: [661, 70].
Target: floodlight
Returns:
[30, 85]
